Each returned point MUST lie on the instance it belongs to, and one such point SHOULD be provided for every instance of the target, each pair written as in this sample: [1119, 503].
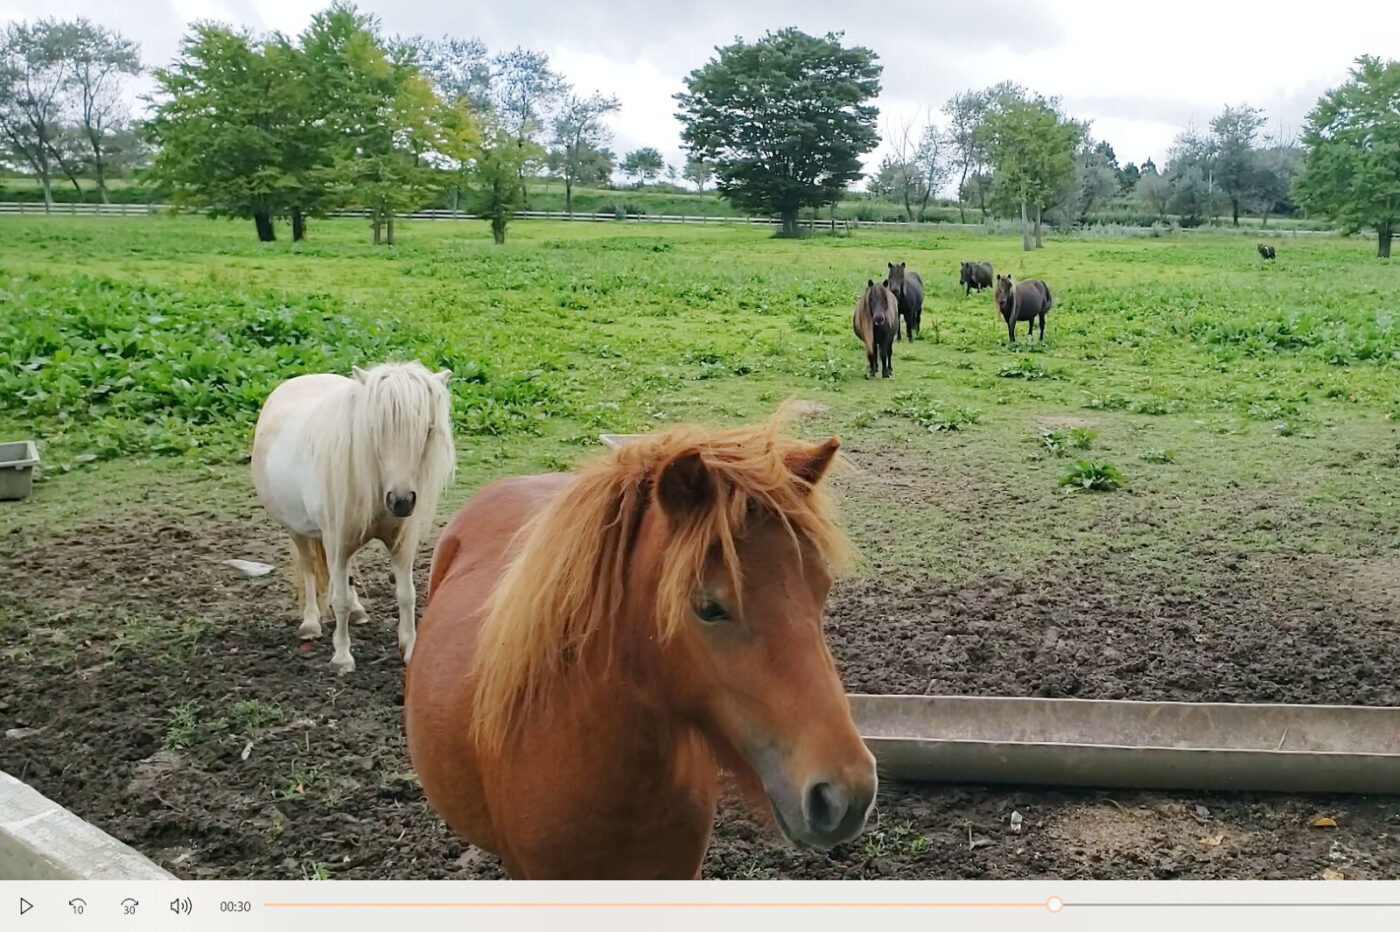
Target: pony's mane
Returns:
[393, 406]
[568, 577]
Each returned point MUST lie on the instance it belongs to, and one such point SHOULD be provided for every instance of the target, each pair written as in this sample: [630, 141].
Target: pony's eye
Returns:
[710, 611]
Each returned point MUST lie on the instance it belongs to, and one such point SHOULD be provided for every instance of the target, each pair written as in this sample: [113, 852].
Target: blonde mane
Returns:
[393, 406]
[568, 577]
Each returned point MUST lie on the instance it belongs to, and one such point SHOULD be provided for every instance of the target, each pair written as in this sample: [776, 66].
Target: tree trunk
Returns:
[1039, 243]
[1025, 230]
[568, 195]
[377, 226]
[498, 228]
[298, 225]
[1383, 235]
[789, 221]
[1266, 218]
[263, 222]
[48, 193]
[99, 173]
[1235, 210]
[962, 183]
[389, 230]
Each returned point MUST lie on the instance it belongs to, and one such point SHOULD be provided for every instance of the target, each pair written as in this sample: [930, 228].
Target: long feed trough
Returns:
[1147, 745]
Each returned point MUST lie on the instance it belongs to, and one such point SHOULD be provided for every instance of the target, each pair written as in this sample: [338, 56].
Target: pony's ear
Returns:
[685, 487]
[359, 373]
[443, 375]
[870, 283]
[811, 464]
[891, 265]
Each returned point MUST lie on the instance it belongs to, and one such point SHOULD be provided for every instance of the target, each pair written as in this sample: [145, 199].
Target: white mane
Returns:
[393, 407]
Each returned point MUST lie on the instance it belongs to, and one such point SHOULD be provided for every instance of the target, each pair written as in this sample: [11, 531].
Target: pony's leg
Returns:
[339, 562]
[308, 596]
[358, 615]
[402, 558]
[871, 356]
[1042, 326]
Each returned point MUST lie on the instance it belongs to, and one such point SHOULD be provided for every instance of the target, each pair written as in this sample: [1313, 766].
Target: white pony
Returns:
[340, 462]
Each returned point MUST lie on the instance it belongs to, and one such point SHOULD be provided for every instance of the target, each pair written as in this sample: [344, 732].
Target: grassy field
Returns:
[1203, 369]
[1234, 416]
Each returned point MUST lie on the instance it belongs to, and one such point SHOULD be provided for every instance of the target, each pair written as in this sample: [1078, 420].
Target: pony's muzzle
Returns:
[834, 812]
[400, 505]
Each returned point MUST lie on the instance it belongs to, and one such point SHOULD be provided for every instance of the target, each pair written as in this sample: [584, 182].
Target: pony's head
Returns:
[694, 568]
[404, 413]
[385, 444]
[1002, 294]
[896, 276]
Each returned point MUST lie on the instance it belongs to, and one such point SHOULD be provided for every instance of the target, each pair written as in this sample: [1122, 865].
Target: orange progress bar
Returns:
[1053, 904]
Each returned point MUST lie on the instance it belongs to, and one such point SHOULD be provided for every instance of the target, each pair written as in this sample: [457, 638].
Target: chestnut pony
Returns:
[597, 646]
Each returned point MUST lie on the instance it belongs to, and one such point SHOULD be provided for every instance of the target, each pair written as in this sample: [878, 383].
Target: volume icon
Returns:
[181, 907]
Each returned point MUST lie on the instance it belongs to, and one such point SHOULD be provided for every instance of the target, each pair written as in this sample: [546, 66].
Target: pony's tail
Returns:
[1049, 298]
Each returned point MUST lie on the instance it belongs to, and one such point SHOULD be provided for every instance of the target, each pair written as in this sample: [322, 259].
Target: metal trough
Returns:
[1116, 743]
[40, 840]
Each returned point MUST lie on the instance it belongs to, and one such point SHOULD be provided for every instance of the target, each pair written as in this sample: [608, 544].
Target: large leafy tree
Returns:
[1351, 169]
[1031, 147]
[220, 127]
[784, 120]
[580, 134]
[1233, 133]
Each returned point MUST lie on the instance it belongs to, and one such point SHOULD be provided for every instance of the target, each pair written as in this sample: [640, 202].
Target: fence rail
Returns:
[31, 208]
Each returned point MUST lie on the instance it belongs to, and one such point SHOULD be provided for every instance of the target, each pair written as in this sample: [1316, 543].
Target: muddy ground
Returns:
[162, 696]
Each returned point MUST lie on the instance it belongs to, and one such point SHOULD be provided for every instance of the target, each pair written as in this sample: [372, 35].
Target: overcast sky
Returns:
[1138, 71]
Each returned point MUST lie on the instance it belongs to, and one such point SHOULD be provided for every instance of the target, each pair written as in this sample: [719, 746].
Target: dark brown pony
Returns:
[1026, 300]
[1266, 251]
[876, 323]
[908, 289]
[598, 645]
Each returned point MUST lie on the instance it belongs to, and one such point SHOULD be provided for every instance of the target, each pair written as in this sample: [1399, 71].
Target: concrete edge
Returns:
[40, 840]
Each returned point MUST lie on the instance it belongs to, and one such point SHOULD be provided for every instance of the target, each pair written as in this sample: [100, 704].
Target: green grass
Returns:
[137, 351]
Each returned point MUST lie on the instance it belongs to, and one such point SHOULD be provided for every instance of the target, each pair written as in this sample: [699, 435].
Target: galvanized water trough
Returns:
[1117, 743]
[40, 840]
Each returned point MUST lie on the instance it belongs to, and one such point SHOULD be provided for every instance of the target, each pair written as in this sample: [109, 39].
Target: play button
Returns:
[24, 906]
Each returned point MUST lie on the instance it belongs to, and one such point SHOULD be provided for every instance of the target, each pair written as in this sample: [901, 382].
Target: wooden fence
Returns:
[36, 209]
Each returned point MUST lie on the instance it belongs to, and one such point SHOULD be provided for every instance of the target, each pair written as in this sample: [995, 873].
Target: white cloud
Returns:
[1137, 71]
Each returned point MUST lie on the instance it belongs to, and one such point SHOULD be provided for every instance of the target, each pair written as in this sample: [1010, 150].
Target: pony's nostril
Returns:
[825, 807]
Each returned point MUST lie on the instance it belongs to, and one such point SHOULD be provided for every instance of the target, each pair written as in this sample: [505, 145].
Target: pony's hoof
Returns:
[309, 630]
[358, 616]
[406, 649]
[343, 665]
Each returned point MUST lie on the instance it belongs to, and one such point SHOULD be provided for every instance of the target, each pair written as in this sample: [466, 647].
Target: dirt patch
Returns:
[163, 696]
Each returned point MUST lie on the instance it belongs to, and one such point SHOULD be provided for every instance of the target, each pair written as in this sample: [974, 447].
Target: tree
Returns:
[645, 165]
[1128, 178]
[1275, 169]
[101, 59]
[1154, 191]
[35, 71]
[497, 186]
[917, 167]
[218, 132]
[1351, 169]
[1031, 147]
[525, 92]
[965, 112]
[1095, 180]
[1233, 133]
[698, 172]
[579, 133]
[784, 120]
[1190, 174]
